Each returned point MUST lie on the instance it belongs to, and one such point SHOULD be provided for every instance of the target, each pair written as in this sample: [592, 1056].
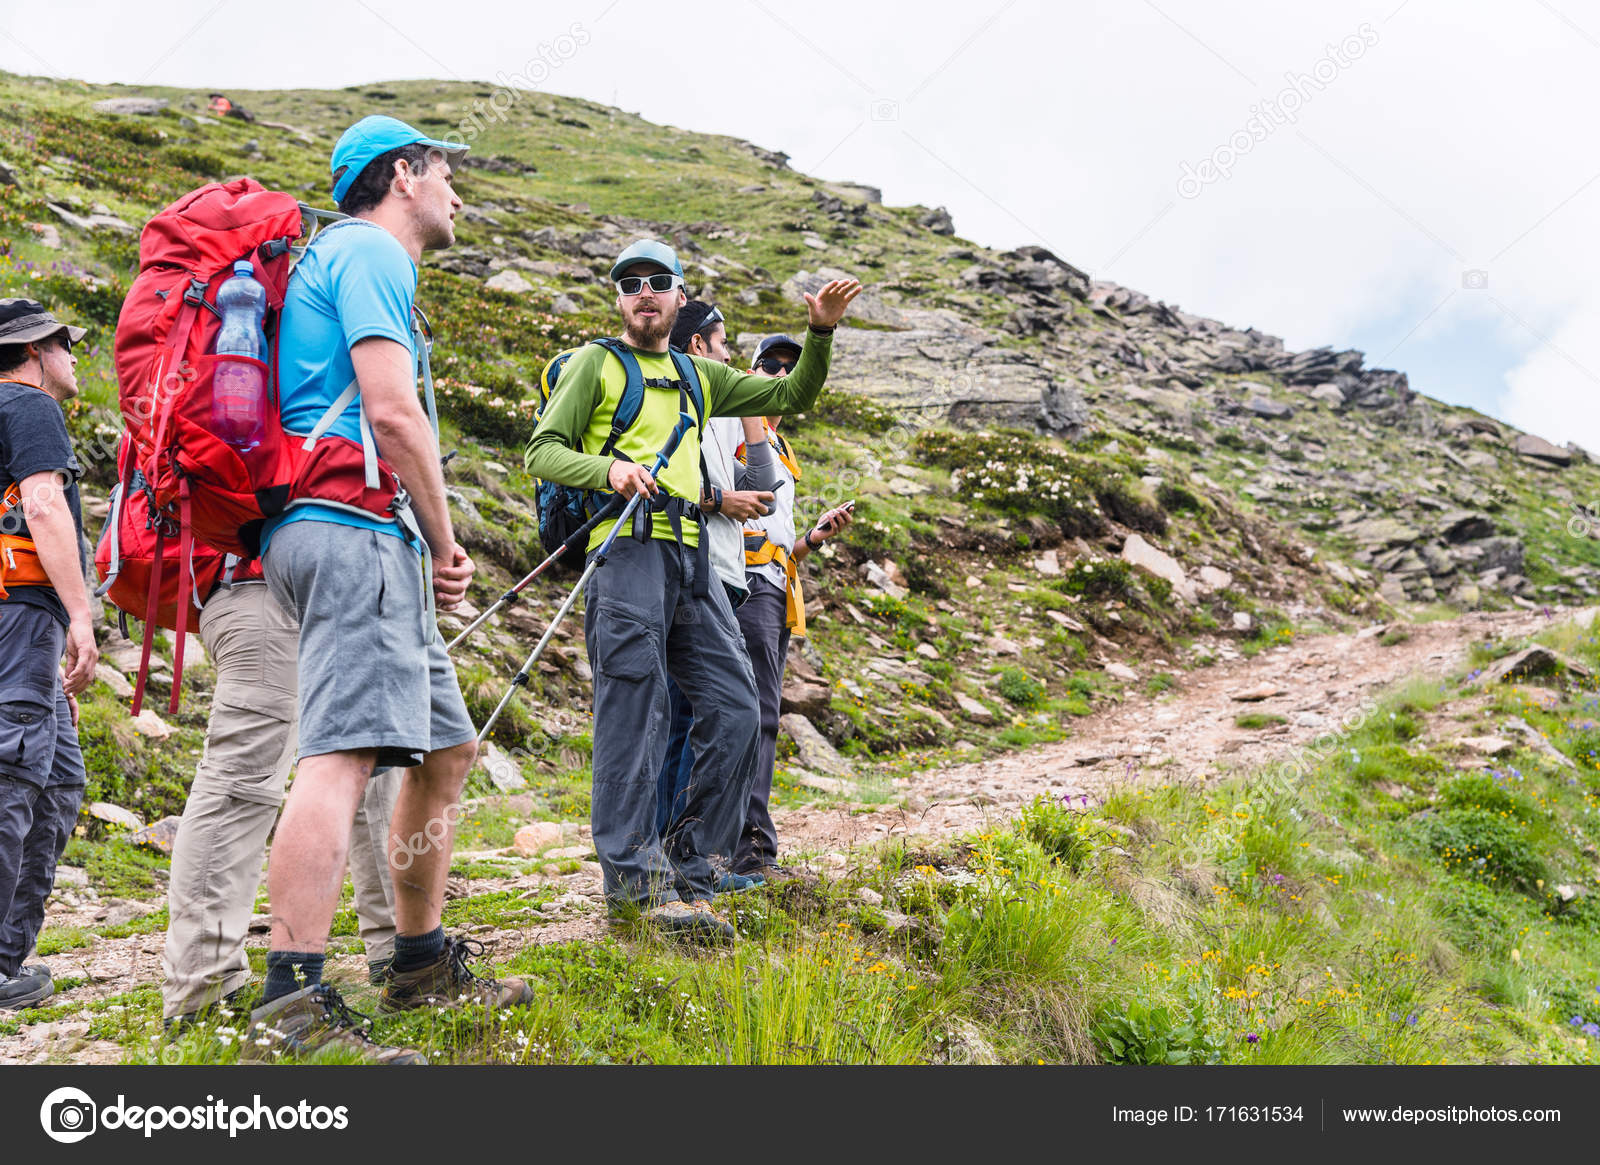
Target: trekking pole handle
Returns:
[685, 423]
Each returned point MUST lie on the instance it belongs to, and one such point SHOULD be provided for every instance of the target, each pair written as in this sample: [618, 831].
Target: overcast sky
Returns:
[1416, 178]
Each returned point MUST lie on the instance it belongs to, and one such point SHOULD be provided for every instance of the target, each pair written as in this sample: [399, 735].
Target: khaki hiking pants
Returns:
[239, 784]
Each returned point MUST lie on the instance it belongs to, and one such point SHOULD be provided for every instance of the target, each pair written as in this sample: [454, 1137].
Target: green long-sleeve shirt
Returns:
[565, 447]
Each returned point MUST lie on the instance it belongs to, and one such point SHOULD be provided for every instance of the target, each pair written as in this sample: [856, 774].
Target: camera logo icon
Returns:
[883, 109]
[68, 1115]
[1475, 280]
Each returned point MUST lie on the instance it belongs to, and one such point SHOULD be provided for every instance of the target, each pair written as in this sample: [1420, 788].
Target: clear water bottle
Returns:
[239, 381]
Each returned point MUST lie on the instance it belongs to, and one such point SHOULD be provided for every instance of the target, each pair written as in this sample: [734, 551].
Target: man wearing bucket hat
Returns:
[375, 685]
[44, 617]
[653, 610]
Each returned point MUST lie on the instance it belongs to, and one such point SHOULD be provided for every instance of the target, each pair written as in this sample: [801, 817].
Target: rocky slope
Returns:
[1067, 486]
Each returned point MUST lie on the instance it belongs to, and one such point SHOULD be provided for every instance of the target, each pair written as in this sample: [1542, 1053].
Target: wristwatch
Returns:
[716, 500]
[812, 545]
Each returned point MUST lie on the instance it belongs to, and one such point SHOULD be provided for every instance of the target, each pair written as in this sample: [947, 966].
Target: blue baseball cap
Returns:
[375, 135]
[647, 251]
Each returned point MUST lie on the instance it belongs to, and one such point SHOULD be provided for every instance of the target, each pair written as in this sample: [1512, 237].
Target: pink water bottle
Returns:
[239, 381]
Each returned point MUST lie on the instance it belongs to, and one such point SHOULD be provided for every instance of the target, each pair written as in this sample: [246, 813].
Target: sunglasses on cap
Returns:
[772, 365]
[660, 283]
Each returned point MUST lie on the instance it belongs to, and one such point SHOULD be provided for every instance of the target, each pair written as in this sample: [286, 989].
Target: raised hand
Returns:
[827, 307]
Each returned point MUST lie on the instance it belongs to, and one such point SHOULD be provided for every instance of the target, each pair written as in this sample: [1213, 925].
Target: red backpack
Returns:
[198, 491]
[125, 558]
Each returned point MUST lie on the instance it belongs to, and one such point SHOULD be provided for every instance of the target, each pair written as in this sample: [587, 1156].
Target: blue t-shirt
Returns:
[354, 282]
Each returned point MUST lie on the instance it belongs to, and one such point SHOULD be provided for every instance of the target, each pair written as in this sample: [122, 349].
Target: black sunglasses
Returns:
[772, 365]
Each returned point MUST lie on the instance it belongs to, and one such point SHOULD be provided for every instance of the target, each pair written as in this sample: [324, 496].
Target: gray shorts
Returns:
[369, 677]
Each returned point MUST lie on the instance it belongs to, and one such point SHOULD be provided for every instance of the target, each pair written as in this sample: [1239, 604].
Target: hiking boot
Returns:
[731, 883]
[450, 981]
[378, 971]
[316, 1017]
[771, 873]
[30, 986]
[233, 1000]
[695, 921]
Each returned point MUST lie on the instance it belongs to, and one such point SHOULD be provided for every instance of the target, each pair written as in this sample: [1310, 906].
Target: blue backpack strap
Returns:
[690, 375]
[632, 402]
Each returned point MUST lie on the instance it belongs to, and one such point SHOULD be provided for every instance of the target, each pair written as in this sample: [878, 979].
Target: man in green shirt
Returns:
[653, 609]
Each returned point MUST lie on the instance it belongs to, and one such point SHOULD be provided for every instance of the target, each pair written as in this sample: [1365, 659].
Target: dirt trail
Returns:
[1186, 733]
[1182, 734]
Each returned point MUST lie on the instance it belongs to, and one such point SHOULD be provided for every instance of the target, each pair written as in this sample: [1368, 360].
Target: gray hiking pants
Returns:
[766, 637]
[641, 623]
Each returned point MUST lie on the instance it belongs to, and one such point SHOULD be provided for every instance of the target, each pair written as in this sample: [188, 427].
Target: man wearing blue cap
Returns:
[376, 687]
[652, 610]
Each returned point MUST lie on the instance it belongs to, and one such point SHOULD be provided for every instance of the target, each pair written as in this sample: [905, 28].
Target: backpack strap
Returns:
[632, 402]
[185, 591]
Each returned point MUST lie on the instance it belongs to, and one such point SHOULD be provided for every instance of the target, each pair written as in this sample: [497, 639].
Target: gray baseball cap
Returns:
[24, 320]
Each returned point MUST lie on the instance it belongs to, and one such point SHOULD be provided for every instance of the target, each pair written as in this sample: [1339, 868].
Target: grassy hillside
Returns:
[1014, 433]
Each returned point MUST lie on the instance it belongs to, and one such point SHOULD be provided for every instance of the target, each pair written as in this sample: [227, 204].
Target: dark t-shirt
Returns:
[33, 439]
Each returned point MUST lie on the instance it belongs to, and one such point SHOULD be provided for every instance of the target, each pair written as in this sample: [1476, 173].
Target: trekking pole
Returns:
[581, 534]
[520, 680]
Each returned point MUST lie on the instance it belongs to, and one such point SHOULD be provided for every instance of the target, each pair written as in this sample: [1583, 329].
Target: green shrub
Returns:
[1480, 844]
[1056, 830]
[1142, 1033]
[1020, 688]
[1474, 916]
[1177, 499]
[1097, 578]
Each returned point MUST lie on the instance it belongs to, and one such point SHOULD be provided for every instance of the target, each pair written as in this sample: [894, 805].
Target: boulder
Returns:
[147, 723]
[114, 815]
[158, 835]
[115, 680]
[504, 772]
[509, 280]
[535, 838]
[1487, 745]
[938, 221]
[1465, 526]
[1538, 449]
[1328, 394]
[814, 751]
[807, 697]
[566, 305]
[8, 176]
[973, 710]
[1137, 552]
[1530, 661]
[1212, 579]
[1262, 691]
[1382, 532]
[1269, 409]
[1122, 672]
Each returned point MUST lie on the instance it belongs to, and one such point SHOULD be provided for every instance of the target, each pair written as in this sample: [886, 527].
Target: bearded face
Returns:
[647, 318]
